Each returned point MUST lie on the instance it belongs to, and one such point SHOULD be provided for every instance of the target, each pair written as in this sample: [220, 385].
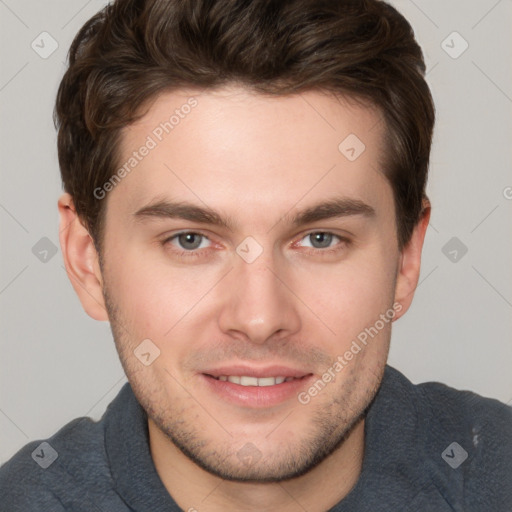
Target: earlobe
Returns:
[81, 260]
[410, 263]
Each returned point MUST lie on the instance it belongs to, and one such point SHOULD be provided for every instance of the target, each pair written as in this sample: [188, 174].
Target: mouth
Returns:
[256, 387]
[247, 380]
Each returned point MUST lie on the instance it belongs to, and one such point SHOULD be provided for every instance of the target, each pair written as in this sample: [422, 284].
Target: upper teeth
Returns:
[245, 380]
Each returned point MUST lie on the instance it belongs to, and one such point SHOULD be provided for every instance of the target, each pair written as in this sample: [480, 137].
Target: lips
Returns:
[247, 380]
[251, 376]
[256, 377]
[250, 387]
[255, 387]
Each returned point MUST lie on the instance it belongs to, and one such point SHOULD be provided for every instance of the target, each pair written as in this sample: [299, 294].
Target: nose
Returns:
[258, 301]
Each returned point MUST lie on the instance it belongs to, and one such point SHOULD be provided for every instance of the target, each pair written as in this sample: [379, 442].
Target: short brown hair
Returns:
[132, 50]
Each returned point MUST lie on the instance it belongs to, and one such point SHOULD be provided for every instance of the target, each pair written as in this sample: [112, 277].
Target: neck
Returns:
[193, 488]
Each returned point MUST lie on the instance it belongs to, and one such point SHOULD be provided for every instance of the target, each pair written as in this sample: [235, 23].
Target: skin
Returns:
[257, 161]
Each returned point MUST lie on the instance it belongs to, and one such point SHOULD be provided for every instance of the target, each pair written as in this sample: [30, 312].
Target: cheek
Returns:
[154, 296]
[351, 295]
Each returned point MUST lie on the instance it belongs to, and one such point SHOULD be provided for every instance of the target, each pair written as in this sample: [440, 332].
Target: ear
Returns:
[81, 260]
[410, 262]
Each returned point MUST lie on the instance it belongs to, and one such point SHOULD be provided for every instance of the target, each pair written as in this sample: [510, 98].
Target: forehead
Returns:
[252, 152]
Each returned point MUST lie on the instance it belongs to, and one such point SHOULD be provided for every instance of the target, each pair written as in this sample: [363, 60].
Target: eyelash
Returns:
[198, 252]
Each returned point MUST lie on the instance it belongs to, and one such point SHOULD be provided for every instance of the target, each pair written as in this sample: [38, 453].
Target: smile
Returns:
[245, 380]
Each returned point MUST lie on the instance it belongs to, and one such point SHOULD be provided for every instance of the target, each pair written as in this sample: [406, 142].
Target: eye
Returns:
[321, 239]
[189, 240]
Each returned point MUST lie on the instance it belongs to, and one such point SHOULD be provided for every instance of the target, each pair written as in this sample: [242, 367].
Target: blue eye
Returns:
[321, 239]
[189, 241]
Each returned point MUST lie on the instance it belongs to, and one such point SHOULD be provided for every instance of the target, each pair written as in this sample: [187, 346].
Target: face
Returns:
[251, 250]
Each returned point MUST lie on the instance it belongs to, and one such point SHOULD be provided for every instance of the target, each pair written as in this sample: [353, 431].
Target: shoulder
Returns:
[45, 473]
[478, 420]
[466, 404]
[455, 444]
[468, 443]
[457, 412]
[23, 483]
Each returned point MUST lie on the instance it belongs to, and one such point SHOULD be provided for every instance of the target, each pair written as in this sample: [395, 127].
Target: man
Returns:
[245, 203]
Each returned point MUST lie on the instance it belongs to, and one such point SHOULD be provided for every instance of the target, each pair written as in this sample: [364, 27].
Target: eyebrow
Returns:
[332, 208]
[341, 207]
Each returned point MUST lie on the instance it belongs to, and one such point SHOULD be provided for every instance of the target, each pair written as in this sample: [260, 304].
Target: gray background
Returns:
[56, 363]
